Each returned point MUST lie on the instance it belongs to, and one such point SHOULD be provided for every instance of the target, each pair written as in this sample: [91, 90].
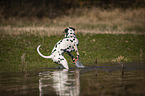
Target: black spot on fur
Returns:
[54, 50]
[71, 40]
[61, 59]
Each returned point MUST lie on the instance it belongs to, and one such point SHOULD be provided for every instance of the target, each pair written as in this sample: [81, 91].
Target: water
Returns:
[111, 80]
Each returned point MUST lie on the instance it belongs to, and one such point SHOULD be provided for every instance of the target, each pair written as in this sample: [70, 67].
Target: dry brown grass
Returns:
[94, 20]
[120, 59]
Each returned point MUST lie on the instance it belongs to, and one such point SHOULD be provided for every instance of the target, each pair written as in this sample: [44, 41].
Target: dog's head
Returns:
[69, 32]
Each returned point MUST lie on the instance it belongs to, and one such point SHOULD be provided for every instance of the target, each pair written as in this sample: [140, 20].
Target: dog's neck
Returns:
[70, 35]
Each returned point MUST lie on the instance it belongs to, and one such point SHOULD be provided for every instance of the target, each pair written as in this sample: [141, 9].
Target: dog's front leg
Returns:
[74, 60]
[70, 55]
[76, 50]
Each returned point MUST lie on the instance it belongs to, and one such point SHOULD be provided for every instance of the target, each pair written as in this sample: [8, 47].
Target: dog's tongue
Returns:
[79, 64]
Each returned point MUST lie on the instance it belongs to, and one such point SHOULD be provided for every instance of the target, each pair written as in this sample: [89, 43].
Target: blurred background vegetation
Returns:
[56, 8]
[93, 16]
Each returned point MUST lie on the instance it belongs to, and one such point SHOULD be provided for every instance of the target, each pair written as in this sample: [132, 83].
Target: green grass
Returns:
[94, 49]
[124, 41]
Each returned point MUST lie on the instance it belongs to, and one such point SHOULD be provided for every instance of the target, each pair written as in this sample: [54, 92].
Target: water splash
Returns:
[79, 64]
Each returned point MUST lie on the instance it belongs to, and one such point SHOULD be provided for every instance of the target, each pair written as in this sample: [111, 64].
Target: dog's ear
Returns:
[72, 28]
[66, 30]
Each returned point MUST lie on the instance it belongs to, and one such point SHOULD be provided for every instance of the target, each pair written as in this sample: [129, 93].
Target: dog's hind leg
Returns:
[64, 62]
[61, 60]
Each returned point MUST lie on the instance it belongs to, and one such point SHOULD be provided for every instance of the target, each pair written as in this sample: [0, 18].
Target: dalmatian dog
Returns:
[66, 45]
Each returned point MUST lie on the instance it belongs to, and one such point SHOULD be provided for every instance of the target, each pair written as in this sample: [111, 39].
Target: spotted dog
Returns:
[66, 45]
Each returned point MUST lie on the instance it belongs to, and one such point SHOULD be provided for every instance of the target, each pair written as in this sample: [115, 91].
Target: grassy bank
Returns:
[112, 35]
[18, 53]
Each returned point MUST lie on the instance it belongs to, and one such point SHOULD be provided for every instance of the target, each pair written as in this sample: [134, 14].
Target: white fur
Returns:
[67, 44]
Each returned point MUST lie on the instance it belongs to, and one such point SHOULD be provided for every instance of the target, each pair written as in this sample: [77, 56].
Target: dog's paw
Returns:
[75, 60]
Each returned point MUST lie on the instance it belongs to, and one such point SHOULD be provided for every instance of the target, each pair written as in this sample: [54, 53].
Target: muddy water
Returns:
[111, 80]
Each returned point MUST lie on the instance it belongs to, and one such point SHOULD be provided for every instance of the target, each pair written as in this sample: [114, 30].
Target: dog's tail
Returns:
[42, 54]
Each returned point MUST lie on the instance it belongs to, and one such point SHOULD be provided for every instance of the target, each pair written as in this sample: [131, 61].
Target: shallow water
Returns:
[111, 80]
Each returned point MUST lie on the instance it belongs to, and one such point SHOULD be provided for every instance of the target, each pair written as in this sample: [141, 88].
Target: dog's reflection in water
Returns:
[59, 82]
